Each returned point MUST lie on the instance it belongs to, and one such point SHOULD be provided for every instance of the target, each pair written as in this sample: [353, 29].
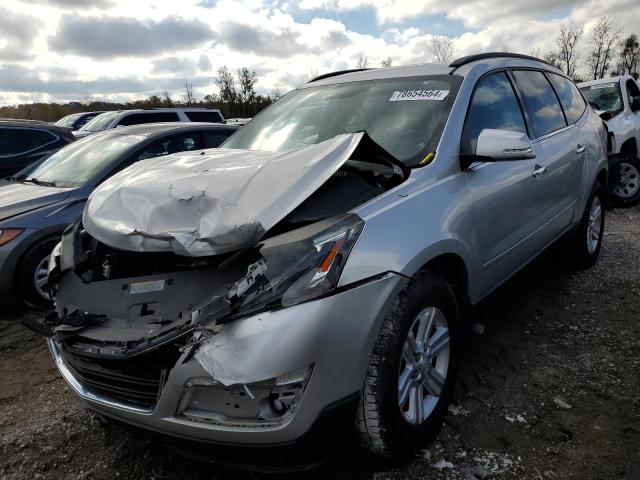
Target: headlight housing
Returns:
[291, 268]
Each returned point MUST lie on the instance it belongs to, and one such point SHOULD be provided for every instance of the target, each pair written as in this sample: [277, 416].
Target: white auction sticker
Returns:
[420, 94]
[146, 287]
[602, 85]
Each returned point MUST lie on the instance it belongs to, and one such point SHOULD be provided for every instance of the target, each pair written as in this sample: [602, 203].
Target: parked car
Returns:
[314, 275]
[617, 101]
[76, 120]
[25, 141]
[237, 121]
[122, 118]
[39, 202]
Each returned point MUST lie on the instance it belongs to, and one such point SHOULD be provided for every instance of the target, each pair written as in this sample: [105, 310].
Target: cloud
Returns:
[73, 3]
[16, 78]
[109, 37]
[282, 43]
[183, 66]
[204, 64]
[17, 32]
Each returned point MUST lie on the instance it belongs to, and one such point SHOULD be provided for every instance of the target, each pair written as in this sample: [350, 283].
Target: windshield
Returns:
[68, 121]
[101, 122]
[80, 163]
[405, 116]
[605, 96]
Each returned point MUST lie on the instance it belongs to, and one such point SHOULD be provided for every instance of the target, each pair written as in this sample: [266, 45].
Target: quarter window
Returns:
[213, 117]
[540, 101]
[149, 117]
[494, 105]
[574, 104]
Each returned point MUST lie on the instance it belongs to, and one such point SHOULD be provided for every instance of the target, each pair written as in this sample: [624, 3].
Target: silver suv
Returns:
[123, 118]
[317, 271]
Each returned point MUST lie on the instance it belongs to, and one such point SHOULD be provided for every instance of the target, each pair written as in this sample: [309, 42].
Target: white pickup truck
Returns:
[617, 101]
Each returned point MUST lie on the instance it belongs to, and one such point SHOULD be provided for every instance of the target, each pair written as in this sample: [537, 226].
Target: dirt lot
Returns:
[550, 390]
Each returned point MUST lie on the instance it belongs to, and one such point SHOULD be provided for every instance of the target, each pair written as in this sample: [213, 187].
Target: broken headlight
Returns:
[296, 266]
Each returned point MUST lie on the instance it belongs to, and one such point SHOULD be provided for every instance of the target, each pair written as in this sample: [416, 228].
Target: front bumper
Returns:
[335, 334]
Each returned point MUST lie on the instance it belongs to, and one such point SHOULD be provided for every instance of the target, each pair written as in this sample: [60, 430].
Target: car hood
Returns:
[18, 198]
[209, 202]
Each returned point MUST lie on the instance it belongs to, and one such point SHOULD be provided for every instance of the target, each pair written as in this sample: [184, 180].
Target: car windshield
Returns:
[101, 122]
[68, 121]
[405, 116]
[80, 163]
[604, 96]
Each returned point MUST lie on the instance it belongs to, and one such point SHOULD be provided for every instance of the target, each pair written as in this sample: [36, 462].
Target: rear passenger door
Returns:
[559, 149]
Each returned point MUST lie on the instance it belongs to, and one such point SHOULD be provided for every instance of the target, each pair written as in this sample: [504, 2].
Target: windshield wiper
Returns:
[42, 183]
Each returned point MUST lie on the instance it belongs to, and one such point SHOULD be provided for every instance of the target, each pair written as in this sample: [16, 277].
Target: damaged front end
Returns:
[124, 318]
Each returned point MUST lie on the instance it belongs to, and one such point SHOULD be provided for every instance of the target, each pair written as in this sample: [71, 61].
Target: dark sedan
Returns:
[76, 120]
[26, 141]
[41, 200]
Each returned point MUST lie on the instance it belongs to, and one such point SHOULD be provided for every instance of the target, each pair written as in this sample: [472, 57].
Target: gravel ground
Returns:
[550, 390]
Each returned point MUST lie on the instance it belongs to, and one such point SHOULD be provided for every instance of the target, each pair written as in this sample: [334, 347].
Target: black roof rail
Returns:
[335, 74]
[482, 56]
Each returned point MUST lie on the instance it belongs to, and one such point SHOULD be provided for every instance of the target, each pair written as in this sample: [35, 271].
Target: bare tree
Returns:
[189, 97]
[275, 95]
[386, 63]
[363, 61]
[247, 93]
[226, 86]
[630, 55]
[603, 41]
[313, 73]
[535, 52]
[442, 48]
[567, 53]
[167, 101]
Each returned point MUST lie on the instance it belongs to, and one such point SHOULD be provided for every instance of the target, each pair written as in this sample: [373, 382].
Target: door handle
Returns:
[580, 150]
[539, 170]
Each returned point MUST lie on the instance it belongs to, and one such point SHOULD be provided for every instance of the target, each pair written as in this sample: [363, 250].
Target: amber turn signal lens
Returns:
[8, 234]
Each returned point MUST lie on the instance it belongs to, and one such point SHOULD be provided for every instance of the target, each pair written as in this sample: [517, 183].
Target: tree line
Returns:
[235, 97]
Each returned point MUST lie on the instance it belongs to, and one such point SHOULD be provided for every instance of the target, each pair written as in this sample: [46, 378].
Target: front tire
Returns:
[31, 275]
[412, 369]
[626, 192]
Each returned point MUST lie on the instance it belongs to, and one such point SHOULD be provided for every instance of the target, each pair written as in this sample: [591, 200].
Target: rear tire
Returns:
[31, 278]
[585, 241]
[402, 371]
[626, 192]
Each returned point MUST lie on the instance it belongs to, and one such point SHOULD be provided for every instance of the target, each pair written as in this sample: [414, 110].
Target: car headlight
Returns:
[8, 234]
[291, 268]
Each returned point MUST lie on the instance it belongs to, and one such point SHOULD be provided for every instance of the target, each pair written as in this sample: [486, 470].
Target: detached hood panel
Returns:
[19, 198]
[210, 202]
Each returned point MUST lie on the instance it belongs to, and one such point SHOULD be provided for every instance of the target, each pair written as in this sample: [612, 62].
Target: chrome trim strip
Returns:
[86, 394]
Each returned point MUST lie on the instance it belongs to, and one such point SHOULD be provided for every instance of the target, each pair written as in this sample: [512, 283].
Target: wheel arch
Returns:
[630, 146]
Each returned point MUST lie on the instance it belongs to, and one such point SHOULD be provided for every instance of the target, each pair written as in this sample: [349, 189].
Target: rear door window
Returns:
[213, 117]
[574, 104]
[15, 141]
[494, 105]
[214, 139]
[149, 117]
[540, 101]
[174, 144]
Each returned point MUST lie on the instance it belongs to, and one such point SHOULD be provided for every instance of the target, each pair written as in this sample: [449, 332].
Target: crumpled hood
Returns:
[209, 202]
[19, 198]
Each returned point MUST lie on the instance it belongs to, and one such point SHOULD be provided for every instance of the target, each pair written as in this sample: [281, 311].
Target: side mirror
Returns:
[504, 145]
[635, 104]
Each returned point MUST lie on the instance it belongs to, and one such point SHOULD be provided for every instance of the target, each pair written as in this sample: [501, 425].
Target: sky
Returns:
[118, 50]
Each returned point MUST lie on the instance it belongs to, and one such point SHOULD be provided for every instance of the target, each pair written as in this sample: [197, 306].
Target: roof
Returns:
[600, 81]
[150, 129]
[498, 59]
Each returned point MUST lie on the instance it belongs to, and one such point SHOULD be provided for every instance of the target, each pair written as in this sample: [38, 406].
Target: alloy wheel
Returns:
[629, 181]
[594, 225]
[423, 365]
[40, 278]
